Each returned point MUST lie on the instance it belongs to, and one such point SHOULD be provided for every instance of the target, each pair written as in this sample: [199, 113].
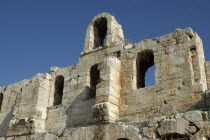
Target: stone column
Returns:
[108, 91]
[43, 91]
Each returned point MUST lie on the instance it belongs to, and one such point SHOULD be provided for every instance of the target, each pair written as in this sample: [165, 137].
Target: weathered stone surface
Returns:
[193, 116]
[172, 126]
[104, 96]
[48, 136]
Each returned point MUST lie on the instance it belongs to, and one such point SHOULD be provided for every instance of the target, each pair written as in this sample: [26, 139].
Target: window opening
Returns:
[94, 79]
[100, 32]
[59, 85]
[1, 100]
[145, 60]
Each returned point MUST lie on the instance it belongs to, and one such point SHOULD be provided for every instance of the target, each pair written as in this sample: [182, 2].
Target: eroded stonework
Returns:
[104, 97]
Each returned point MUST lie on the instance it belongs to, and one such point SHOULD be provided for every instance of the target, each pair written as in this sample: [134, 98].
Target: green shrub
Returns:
[204, 116]
[123, 120]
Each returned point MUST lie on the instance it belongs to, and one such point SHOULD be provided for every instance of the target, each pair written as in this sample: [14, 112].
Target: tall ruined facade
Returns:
[104, 96]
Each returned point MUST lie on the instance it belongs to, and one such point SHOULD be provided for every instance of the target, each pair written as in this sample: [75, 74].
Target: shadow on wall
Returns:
[80, 111]
[203, 103]
[4, 126]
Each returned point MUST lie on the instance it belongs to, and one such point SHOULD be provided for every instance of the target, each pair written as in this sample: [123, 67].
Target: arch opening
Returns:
[59, 85]
[100, 32]
[145, 60]
[94, 79]
[1, 100]
[175, 136]
[122, 139]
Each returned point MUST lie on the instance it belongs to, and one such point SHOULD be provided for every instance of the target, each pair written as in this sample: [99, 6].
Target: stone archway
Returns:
[103, 30]
[175, 136]
[177, 129]
[59, 86]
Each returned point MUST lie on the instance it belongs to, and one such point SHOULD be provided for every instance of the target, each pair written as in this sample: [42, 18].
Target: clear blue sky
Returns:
[38, 34]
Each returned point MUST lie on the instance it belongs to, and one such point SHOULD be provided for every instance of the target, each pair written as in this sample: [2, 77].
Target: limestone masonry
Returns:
[104, 96]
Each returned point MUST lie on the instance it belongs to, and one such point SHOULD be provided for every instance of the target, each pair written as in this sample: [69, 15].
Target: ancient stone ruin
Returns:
[104, 96]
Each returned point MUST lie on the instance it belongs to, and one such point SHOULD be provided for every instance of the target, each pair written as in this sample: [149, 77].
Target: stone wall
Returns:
[176, 87]
[190, 125]
[207, 64]
[107, 88]
[24, 106]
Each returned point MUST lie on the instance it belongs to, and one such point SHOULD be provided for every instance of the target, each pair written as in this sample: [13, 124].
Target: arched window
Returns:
[1, 100]
[122, 139]
[94, 79]
[100, 32]
[103, 29]
[175, 136]
[145, 60]
[59, 85]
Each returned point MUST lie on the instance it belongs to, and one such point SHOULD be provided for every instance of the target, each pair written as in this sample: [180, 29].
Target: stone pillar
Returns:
[197, 61]
[108, 91]
[44, 90]
[207, 67]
